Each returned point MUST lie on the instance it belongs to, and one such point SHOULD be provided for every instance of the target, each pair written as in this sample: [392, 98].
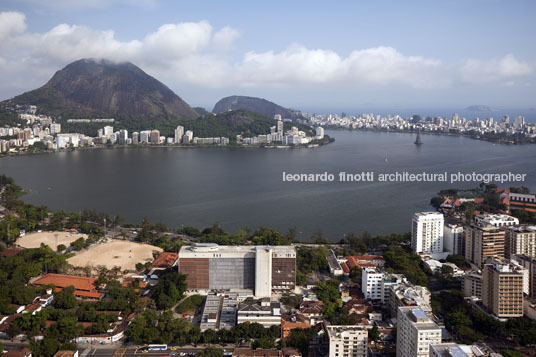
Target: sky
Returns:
[309, 55]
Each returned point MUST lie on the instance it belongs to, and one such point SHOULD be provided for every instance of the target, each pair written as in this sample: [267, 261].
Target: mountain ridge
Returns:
[256, 105]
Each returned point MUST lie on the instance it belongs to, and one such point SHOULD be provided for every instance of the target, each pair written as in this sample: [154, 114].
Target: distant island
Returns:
[480, 108]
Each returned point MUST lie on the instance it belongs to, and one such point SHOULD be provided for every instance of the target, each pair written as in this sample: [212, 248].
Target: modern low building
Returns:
[334, 265]
[259, 268]
[447, 350]
[263, 311]
[290, 322]
[415, 332]
[427, 232]
[84, 287]
[502, 288]
[347, 341]
[496, 220]
[219, 312]
[522, 201]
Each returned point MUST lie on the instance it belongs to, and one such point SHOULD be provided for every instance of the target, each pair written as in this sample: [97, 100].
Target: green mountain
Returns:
[256, 105]
[101, 88]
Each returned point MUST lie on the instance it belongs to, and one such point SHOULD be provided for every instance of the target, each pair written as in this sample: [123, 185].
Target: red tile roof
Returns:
[63, 281]
[10, 252]
[165, 260]
[369, 257]
[345, 268]
[352, 262]
[88, 294]
[18, 353]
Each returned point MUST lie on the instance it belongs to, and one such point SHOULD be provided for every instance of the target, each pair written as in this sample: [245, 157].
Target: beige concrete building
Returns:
[520, 240]
[482, 242]
[472, 285]
[502, 288]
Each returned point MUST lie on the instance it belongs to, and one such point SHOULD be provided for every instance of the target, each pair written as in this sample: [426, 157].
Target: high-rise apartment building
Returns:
[415, 332]
[453, 239]
[528, 263]
[135, 137]
[427, 232]
[55, 128]
[482, 242]
[347, 341]
[502, 288]
[259, 268]
[155, 137]
[520, 240]
[179, 133]
[108, 130]
[371, 284]
[145, 136]
[188, 136]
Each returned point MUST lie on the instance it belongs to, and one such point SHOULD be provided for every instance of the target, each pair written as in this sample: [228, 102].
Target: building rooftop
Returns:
[63, 281]
[165, 260]
[211, 248]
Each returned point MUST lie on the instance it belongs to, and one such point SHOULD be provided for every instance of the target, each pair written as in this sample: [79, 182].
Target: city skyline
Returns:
[310, 56]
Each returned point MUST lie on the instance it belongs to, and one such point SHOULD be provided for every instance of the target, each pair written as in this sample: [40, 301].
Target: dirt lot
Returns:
[34, 240]
[115, 253]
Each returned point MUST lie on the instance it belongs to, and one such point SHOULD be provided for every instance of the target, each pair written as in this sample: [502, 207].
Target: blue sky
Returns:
[311, 55]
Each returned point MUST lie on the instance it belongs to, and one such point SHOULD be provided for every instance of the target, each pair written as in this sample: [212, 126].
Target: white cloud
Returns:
[10, 23]
[173, 40]
[194, 53]
[379, 65]
[485, 71]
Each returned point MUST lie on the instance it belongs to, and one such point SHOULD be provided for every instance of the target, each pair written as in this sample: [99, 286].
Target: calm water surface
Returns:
[244, 187]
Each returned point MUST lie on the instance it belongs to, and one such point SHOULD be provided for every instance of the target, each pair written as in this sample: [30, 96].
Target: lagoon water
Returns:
[245, 188]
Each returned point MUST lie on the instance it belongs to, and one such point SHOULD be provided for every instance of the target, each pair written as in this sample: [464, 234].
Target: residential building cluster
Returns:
[499, 250]
[43, 129]
[454, 125]
[278, 136]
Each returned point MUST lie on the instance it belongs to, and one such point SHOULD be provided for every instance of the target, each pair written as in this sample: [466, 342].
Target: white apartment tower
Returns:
[108, 130]
[415, 332]
[427, 232]
[347, 341]
[371, 284]
[453, 239]
[188, 136]
[179, 133]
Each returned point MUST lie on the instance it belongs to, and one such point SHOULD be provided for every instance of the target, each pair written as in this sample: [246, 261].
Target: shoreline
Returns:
[479, 138]
[100, 147]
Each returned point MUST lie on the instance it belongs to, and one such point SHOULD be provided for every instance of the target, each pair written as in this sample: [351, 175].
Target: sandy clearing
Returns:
[120, 253]
[34, 239]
